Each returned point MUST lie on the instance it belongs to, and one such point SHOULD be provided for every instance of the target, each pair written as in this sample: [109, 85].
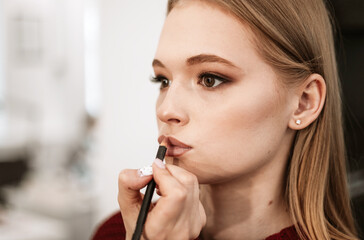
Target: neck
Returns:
[249, 207]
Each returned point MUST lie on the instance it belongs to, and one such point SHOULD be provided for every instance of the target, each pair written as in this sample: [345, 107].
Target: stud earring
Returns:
[298, 122]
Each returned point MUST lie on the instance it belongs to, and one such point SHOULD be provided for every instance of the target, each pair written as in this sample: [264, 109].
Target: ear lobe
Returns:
[311, 99]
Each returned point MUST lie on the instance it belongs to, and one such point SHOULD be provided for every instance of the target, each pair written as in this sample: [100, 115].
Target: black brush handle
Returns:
[147, 199]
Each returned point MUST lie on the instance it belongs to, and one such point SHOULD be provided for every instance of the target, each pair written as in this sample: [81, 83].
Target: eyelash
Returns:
[159, 79]
[201, 76]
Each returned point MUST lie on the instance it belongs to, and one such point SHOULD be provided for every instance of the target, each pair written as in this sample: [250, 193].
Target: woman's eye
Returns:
[211, 80]
[164, 82]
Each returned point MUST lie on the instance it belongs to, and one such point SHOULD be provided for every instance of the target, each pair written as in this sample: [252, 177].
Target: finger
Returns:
[183, 176]
[172, 192]
[165, 210]
[190, 182]
[130, 183]
[175, 185]
[167, 184]
[187, 179]
[158, 191]
[175, 204]
[202, 214]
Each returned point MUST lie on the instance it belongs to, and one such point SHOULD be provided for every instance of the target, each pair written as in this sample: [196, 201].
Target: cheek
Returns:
[158, 103]
[161, 111]
[241, 111]
[240, 133]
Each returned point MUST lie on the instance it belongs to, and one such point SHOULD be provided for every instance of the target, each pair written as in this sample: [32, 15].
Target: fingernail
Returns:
[159, 163]
[145, 171]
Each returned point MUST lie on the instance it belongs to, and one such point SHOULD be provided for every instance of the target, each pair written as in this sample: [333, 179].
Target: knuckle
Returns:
[188, 179]
[180, 194]
[203, 221]
[195, 232]
[166, 213]
[154, 231]
[123, 177]
[185, 234]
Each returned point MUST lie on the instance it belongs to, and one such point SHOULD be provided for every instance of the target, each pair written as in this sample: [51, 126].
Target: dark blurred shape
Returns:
[349, 15]
[12, 172]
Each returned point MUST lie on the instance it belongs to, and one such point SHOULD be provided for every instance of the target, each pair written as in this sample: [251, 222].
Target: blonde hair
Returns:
[295, 37]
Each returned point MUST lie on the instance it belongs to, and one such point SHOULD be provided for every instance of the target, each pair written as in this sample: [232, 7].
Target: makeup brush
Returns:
[147, 198]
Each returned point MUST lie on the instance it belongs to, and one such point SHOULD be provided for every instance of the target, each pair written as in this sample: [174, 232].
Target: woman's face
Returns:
[218, 96]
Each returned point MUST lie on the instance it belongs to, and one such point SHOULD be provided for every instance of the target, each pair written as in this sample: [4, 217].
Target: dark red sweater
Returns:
[113, 229]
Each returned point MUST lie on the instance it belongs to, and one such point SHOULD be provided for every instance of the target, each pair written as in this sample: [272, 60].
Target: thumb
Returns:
[130, 183]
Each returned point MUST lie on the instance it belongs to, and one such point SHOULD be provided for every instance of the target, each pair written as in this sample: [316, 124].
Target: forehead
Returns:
[196, 27]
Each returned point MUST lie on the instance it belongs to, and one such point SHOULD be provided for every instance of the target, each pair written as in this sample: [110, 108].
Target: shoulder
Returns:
[111, 229]
[288, 233]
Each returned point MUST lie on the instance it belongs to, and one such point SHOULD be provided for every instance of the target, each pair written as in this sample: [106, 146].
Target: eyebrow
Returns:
[198, 59]
[157, 63]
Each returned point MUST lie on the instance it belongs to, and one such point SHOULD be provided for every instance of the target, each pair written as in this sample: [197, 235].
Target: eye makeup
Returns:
[211, 80]
[164, 82]
[208, 80]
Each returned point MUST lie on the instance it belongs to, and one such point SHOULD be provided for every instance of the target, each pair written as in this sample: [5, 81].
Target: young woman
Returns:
[250, 109]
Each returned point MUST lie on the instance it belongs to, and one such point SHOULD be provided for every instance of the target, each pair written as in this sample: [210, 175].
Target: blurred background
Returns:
[76, 107]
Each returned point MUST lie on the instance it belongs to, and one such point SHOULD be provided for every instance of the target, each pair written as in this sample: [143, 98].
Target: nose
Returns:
[172, 105]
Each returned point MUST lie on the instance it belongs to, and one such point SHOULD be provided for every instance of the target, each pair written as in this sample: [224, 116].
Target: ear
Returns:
[311, 99]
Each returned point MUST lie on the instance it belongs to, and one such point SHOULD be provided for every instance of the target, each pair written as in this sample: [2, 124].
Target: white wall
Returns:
[45, 111]
[127, 131]
[2, 49]
[44, 65]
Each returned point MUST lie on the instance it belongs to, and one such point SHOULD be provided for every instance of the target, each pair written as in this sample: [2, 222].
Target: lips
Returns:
[175, 148]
